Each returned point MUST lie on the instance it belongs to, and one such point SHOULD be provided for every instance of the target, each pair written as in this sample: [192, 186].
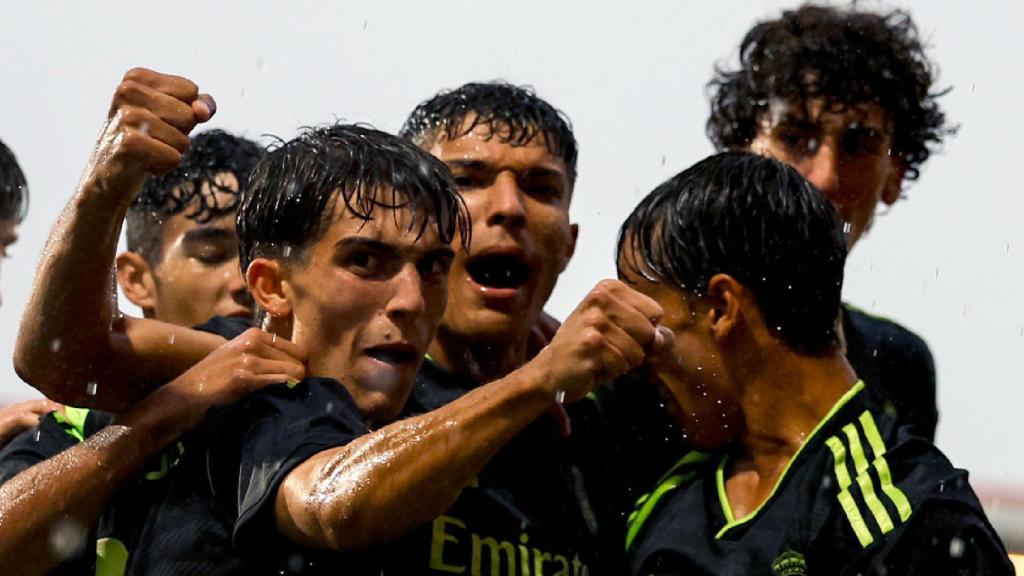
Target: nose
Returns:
[237, 287]
[407, 302]
[822, 169]
[505, 202]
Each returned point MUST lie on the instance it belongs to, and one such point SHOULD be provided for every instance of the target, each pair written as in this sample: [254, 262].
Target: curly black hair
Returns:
[515, 114]
[844, 56]
[13, 187]
[294, 190]
[182, 190]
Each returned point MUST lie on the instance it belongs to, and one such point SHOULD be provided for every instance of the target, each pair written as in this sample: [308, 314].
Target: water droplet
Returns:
[663, 160]
[171, 339]
[1007, 247]
[38, 433]
[55, 345]
[90, 388]
[365, 23]
[936, 273]
[847, 227]
[956, 547]
[973, 86]
[287, 251]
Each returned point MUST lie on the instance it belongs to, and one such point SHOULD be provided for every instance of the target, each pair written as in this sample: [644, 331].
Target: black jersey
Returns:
[897, 367]
[861, 496]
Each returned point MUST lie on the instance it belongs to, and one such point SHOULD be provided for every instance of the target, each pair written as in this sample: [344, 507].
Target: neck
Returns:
[481, 361]
[783, 400]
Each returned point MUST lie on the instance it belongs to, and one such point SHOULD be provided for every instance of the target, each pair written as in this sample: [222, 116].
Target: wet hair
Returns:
[13, 187]
[182, 191]
[844, 56]
[757, 220]
[293, 190]
[513, 114]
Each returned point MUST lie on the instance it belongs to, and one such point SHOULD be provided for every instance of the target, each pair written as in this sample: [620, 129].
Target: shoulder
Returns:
[884, 335]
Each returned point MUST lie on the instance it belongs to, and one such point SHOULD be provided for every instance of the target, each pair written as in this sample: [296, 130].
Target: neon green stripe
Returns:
[111, 557]
[860, 528]
[724, 500]
[646, 504]
[73, 420]
[867, 488]
[898, 498]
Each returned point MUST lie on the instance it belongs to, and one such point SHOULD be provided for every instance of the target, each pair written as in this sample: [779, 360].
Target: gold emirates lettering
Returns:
[491, 557]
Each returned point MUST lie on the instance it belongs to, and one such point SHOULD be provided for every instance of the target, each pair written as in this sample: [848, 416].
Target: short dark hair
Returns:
[844, 56]
[515, 114]
[13, 187]
[210, 154]
[293, 190]
[757, 220]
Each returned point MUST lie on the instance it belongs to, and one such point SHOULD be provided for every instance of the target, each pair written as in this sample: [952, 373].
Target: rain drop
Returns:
[847, 227]
[956, 548]
[55, 345]
[90, 388]
[973, 86]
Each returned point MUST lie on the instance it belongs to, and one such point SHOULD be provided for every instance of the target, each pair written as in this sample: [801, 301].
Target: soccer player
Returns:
[803, 473]
[13, 205]
[181, 241]
[848, 98]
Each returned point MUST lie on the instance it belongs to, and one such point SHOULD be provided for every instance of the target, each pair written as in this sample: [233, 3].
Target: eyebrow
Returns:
[532, 171]
[199, 234]
[387, 249]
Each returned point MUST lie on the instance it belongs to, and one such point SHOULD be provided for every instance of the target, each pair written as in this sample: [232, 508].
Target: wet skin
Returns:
[518, 199]
[844, 152]
[365, 300]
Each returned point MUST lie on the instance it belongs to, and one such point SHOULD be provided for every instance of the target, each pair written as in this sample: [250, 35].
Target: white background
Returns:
[946, 262]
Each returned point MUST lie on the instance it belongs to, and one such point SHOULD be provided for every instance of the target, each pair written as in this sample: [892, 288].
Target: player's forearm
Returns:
[69, 329]
[408, 472]
[65, 495]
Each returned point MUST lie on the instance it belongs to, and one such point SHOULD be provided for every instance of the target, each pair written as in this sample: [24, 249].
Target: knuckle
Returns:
[138, 73]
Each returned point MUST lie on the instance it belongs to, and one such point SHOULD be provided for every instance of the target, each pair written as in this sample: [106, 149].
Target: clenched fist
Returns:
[147, 130]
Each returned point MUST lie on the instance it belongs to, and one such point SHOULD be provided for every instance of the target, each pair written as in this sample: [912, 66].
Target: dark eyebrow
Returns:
[368, 243]
[445, 251]
[468, 164]
[545, 172]
[199, 234]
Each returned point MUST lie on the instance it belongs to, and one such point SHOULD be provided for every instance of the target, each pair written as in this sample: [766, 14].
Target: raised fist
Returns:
[147, 128]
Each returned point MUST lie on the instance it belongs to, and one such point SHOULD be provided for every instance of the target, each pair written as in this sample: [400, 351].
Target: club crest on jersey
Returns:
[789, 563]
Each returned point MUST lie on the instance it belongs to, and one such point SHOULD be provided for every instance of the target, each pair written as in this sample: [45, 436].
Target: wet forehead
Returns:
[829, 116]
[394, 227]
[481, 146]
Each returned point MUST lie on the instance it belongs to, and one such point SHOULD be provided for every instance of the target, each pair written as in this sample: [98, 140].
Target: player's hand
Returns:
[147, 128]
[609, 334]
[249, 362]
[22, 416]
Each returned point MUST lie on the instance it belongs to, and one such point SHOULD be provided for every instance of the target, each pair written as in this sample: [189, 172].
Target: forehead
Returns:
[397, 227]
[828, 114]
[481, 145]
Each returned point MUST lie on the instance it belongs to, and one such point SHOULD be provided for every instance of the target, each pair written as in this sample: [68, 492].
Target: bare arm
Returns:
[74, 487]
[73, 344]
[413, 470]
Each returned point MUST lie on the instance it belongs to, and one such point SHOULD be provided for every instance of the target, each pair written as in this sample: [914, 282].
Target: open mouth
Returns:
[498, 270]
[399, 354]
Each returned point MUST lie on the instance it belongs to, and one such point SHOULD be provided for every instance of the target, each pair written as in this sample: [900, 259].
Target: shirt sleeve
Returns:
[274, 430]
[945, 537]
[34, 445]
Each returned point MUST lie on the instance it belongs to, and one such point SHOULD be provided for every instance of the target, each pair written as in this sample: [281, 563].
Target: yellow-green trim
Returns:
[731, 522]
[846, 502]
[867, 488]
[898, 498]
[646, 504]
[73, 420]
[111, 557]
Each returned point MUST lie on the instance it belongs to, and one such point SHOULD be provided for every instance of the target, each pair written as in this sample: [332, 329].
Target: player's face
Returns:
[844, 151]
[518, 199]
[693, 378]
[198, 276]
[366, 299]
[8, 236]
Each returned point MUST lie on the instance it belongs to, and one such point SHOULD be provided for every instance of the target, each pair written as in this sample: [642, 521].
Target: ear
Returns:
[894, 184]
[570, 247]
[725, 296]
[136, 280]
[266, 280]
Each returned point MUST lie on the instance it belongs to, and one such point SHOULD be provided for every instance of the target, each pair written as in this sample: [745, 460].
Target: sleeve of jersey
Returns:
[277, 429]
[32, 446]
[225, 327]
[943, 537]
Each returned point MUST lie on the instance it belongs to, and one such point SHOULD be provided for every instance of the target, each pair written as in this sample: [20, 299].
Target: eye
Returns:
[435, 265]
[361, 262]
[212, 254]
[862, 141]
